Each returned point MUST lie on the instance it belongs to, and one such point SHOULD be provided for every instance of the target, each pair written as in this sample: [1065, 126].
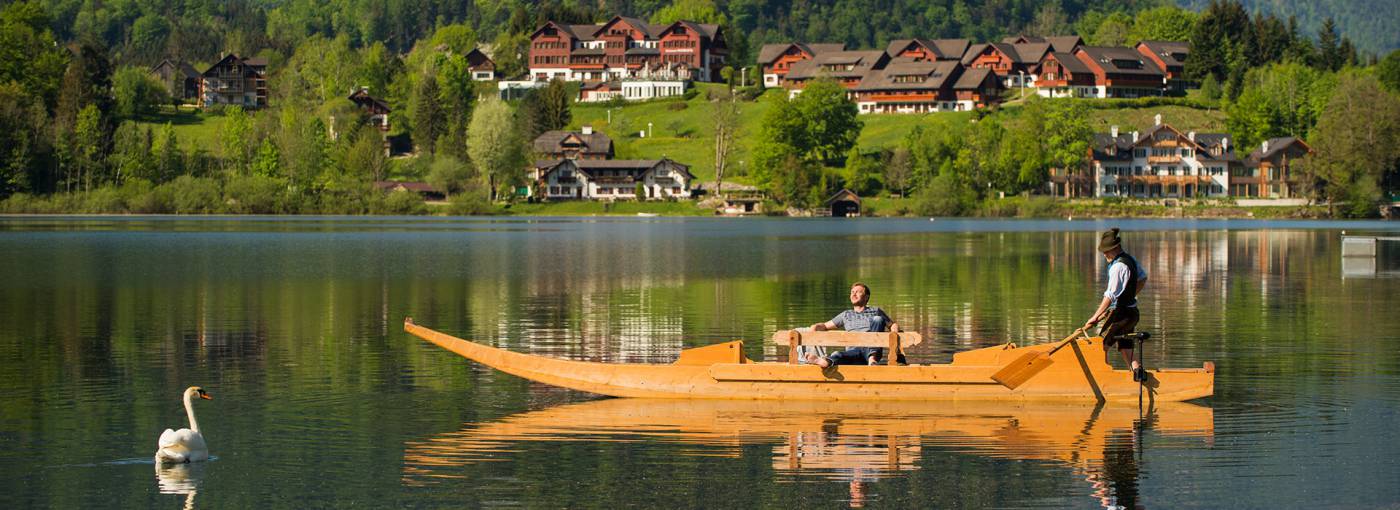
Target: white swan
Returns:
[184, 445]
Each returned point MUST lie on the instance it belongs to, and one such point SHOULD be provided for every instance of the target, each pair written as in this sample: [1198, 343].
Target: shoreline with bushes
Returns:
[255, 195]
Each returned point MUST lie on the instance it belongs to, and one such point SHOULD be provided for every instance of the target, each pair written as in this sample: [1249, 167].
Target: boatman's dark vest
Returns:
[1129, 295]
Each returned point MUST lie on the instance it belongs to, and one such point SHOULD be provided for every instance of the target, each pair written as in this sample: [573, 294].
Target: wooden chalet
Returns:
[622, 46]
[775, 60]
[586, 144]
[978, 88]
[481, 65]
[1170, 57]
[1061, 43]
[234, 80]
[848, 68]
[907, 86]
[1015, 64]
[928, 50]
[1064, 75]
[1268, 171]
[613, 179]
[181, 80]
[375, 108]
[1122, 72]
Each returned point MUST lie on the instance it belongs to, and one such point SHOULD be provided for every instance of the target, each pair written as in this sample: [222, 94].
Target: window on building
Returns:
[1139, 153]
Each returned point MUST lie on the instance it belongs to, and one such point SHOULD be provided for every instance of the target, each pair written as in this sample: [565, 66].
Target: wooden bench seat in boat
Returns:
[893, 341]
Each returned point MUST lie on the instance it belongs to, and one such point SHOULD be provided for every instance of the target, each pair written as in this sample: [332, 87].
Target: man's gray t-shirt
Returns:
[869, 320]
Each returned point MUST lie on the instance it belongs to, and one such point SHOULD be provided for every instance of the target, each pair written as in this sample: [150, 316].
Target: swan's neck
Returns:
[189, 410]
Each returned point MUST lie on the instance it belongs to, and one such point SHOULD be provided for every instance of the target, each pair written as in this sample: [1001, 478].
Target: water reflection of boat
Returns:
[823, 438]
[721, 371]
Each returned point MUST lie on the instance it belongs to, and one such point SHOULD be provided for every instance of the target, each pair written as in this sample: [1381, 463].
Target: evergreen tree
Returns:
[1329, 53]
[429, 119]
[1388, 71]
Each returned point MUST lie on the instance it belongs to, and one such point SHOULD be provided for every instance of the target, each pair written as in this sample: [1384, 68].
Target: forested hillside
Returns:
[144, 31]
[1373, 25]
[85, 127]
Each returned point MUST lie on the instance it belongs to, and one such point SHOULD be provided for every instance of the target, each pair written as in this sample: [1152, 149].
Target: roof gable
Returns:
[629, 22]
[843, 195]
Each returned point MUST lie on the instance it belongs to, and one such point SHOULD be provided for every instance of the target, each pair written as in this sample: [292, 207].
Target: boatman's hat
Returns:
[1109, 240]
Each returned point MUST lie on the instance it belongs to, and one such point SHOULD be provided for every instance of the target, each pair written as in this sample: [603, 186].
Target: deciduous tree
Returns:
[495, 146]
[725, 119]
[1357, 140]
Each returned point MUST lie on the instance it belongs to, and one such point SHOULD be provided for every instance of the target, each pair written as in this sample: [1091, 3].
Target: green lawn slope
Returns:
[683, 130]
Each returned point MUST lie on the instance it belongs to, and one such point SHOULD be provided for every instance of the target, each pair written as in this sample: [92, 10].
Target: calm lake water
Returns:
[294, 325]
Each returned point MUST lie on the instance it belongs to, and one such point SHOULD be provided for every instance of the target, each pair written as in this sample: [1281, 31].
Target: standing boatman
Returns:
[1126, 278]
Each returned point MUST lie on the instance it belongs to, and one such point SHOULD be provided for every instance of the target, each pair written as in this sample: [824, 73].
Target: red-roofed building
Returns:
[775, 60]
[623, 47]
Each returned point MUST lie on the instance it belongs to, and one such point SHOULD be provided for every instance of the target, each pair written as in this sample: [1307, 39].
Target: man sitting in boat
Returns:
[1125, 280]
[860, 318]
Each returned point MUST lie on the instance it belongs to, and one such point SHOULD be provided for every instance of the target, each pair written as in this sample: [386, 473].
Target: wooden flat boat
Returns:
[1079, 372]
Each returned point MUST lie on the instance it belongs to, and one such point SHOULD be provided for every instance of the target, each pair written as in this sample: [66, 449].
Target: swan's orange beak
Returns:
[205, 396]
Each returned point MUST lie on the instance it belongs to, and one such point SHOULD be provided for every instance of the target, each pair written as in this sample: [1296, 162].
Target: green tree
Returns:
[1217, 46]
[829, 119]
[25, 135]
[1049, 20]
[85, 149]
[1066, 136]
[698, 11]
[1163, 24]
[1388, 71]
[450, 175]
[429, 119]
[29, 52]
[131, 153]
[1115, 30]
[236, 140]
[495, 146]
[136, 93]
[1329, 52]
[365, 158]
[1357, 140]
[863, 173]
[169, 159]
[148, 36]
[511, 50]
[267, 162]
[456, 94]
[899, 171]
[1210, 88]
[546, 109]
[459, 39]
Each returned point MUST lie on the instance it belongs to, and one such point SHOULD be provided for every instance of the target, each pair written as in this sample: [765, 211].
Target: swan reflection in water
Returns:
[180, 479]
[853, 442]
